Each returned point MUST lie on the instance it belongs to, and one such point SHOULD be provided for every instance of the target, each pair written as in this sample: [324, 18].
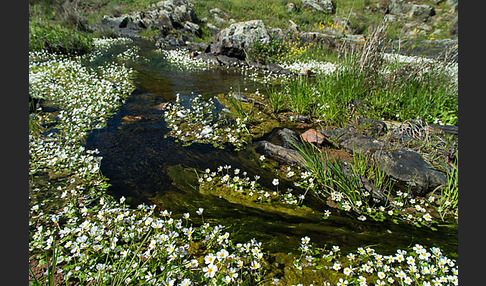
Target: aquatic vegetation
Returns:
[416, 265]
[106, 43]
[112, 243]
[181, 59]
[197, 121]
[98, 90]
[238, 187]
[131, 54]
[79, 231]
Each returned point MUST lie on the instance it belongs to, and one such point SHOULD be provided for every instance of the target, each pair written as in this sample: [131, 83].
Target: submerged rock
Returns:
[409, 167]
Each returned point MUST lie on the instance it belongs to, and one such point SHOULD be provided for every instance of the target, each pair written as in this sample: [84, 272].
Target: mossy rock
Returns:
[271, 203]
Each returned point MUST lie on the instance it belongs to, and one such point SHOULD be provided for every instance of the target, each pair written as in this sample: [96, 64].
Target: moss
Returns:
[271, 203]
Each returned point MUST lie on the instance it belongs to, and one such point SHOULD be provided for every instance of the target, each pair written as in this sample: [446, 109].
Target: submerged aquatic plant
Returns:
[198, 121]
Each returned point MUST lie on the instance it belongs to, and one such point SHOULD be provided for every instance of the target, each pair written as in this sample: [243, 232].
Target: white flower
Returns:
[305, 240]
[185, 282]
[347, 271]
[275, 182]
[222, 254]
[262, 157]
[209, 258]
[255, 265]
[210, 271]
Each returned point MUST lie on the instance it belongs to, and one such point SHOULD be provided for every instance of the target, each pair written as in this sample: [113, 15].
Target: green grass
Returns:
[449, 194]
[406, 92]
[58, 39]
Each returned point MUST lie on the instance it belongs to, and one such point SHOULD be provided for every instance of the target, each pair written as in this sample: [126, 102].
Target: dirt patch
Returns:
[340, 154]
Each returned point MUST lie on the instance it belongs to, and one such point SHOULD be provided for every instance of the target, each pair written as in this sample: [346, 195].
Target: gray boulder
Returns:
[421, 12]
[413, 11]
[362, 144]
[238, 38]
[291, 7]
[372, 127]
[286, 155]
[409, 168]
[339, 135]
[167, 16]
[289, 138]
[325, 6]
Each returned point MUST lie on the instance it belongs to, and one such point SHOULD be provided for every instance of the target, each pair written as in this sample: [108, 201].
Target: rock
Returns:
[228, 61]
[213, 29]
[454, 5]
[454, 26]
[220, 13]
[239, 37]
[406, 9]
[443, 129]
[289, 138]
[362, 144]
[276, 33]
[209, 58]
[280, 153]
[307, 72]
[399, 7]
[169, 17]
[298, 118]
[409, 167]
[239, 97]
[421, 12]
[291, 7]
[339, 135]
[318, 38]
[293, 28]
[192, 28]
[313, 136]
[131, 118]
[161, 106]
[325, 6]
[372, 127]
[366, 184]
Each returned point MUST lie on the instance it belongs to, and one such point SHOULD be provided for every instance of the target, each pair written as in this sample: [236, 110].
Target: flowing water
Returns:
[147, 168]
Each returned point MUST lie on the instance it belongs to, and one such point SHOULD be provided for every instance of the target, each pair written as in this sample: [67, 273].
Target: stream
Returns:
[147, 168]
